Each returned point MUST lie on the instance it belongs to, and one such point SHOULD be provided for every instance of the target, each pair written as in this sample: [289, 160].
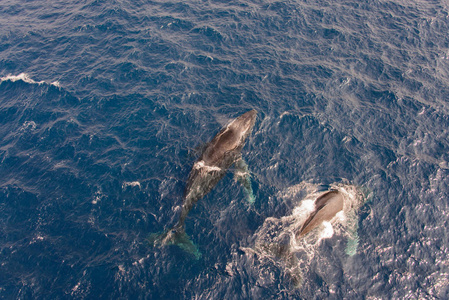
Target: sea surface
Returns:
[106, 105]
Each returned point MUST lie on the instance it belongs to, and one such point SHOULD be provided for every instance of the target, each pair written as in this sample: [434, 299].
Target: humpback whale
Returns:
[326, 207]
[221, 153]
[292, 239]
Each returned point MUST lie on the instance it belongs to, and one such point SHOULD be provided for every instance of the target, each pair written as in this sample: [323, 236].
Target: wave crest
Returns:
[26, 78]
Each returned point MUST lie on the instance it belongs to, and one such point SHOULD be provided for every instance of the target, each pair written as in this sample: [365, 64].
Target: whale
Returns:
[292, 239]
[223, 151]
[326, 207]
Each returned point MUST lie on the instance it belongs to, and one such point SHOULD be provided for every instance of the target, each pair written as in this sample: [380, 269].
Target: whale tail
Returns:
[175, 236]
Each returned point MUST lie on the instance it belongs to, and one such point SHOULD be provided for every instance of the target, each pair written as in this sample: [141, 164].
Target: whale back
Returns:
[326, 207]
[225, 141]
[230, 139]
[222, 151]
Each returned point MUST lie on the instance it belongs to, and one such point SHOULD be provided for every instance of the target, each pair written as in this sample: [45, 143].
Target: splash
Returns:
[276, 240]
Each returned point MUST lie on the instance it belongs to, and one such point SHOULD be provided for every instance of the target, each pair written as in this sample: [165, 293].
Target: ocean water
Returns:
[105, 106]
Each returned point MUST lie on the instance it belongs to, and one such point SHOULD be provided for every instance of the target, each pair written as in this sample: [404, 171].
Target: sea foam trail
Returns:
[26, 78]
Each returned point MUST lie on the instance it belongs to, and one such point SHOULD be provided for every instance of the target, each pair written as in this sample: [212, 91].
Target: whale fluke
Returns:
[175, 236]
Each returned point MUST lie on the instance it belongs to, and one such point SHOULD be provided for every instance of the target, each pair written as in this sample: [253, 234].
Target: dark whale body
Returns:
[326, 207]
[220, 154]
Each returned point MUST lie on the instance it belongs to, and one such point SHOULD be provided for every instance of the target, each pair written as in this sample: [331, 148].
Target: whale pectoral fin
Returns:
[351, 247]
[175, 236]
[353, 236]
[242, 175]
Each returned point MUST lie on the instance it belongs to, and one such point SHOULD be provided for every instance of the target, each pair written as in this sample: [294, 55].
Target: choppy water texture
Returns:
[104, 106]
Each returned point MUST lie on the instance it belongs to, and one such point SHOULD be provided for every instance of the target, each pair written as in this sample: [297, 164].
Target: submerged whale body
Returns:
[326, 207]
[220, 154]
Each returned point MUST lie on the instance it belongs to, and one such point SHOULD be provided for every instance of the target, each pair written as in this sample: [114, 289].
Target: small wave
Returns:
[26, 78]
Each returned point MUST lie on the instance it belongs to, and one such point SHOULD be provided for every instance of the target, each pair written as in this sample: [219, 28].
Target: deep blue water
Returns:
[104, 105]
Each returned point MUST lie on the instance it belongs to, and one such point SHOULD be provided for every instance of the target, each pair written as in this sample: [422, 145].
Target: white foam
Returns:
[304, 209]
[95, 201]
[28, 125]
[340, 216]
[328, 230]
[133, 184]
[121, 268]
[36, 239]
[22, 76]
[200, 165]
[98, 196]
[76, 287]
[26, 78]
